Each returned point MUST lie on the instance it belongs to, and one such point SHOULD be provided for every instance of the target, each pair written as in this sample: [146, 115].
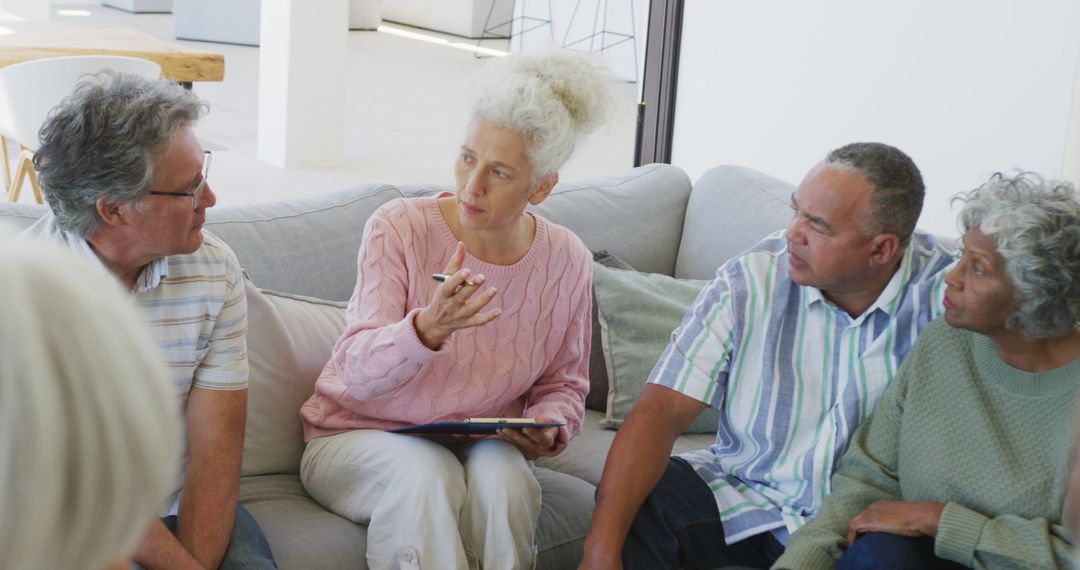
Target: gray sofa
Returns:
[304, 250]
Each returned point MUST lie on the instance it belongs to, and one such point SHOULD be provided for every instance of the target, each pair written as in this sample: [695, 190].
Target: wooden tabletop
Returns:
[23, 41]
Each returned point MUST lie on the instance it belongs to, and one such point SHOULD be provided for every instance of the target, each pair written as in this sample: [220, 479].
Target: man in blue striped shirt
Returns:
[794, 341]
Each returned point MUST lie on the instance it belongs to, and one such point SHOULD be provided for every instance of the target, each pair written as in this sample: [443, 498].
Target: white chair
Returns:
[29, 90]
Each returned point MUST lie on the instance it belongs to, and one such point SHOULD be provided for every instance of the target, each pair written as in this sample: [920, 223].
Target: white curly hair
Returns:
[1036, 226]
[551, 99]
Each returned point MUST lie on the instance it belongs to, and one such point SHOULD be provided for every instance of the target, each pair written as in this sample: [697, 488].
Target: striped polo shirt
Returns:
[196, 310]
[793, 376]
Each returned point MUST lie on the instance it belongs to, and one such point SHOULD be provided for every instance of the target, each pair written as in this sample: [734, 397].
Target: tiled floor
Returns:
[405, 116]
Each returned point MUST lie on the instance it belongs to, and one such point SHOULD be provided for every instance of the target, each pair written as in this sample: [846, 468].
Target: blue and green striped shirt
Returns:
[792, 374]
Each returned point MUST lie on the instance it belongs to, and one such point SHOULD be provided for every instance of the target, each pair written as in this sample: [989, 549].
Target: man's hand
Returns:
[452, 307]
[596, 562]
[897, 517]
[215, 438]
[160, 549]
[215, 428]
[635, 463]
[532, 442]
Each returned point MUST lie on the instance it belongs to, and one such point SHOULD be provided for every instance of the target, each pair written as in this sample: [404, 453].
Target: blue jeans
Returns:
[884, 550]
[248, 548]
[679, 526]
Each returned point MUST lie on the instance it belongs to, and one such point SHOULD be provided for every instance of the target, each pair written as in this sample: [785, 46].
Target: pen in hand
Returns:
[443, 277]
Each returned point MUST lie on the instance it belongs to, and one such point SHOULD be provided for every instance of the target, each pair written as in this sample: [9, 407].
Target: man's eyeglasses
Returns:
[196, 192]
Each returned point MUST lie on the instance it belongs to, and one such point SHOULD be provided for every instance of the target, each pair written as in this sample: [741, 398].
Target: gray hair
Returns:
[898, 190]
[102, 142]
[1036, 226]
[550, 99]
[89, 428]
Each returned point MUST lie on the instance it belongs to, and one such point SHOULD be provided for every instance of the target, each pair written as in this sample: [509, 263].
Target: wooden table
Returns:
[23, 41]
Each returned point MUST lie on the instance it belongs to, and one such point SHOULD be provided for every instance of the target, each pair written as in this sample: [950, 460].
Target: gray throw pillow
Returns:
[598, 378]
[637, 313]
[289, 342]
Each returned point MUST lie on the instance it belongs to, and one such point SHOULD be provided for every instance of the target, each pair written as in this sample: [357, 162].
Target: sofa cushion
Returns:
[289, 342]
[584, 457]
[598, 378]
[304, 536]
[730, 209]
[566, 507]
[637, 216]
[638, 312]
[306, 246]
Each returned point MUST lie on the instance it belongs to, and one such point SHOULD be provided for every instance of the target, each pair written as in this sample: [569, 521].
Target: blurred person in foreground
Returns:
[964, 462]
[1072, 491]
[89, 432]
[506, 335]
[126, 180]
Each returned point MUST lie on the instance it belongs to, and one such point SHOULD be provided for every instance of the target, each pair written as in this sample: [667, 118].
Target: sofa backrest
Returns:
[305, 246]
[636, 216]
[730, 209]
[308, 246]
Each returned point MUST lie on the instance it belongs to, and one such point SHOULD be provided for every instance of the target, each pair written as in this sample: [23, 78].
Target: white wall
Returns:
[966, 87]
[1072, 144]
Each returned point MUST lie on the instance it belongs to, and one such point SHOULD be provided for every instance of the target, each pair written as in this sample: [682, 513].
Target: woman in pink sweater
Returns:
[506, 335]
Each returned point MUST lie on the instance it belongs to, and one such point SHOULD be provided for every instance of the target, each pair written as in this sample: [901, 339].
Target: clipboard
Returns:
[475, 426]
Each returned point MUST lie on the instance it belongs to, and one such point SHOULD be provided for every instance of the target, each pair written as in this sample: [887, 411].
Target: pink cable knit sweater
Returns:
[532, 360]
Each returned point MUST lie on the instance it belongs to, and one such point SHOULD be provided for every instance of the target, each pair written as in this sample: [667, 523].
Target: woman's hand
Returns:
[452, 308]
[532, 442]
[897, 517]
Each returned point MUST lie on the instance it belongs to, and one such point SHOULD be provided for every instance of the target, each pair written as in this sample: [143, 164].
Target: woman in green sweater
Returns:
[964, 461]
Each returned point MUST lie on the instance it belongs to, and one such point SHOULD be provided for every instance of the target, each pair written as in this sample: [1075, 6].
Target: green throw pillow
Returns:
[637, 312]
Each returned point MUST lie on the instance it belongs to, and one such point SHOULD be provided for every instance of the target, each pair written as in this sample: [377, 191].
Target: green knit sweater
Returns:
[958, 426]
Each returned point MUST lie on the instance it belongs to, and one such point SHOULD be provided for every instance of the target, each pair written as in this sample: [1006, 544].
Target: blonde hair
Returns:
[550, 99]
[89, 431]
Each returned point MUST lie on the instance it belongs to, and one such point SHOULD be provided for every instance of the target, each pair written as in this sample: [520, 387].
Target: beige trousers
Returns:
[475, 505]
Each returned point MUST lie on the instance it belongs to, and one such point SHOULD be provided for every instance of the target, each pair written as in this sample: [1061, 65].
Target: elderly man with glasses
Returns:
[126, 180]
